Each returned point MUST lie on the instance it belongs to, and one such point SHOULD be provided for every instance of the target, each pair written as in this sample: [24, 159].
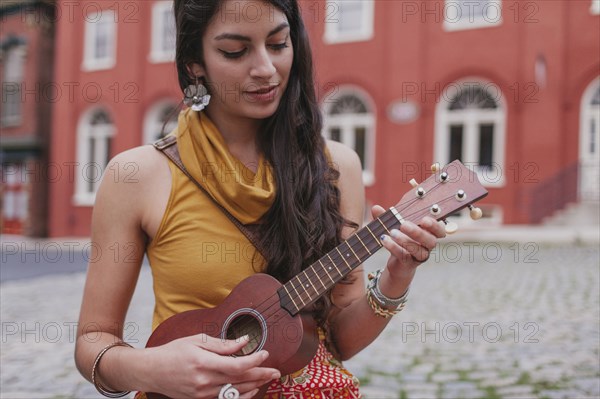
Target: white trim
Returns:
[348, 122]
[470, 119]
[332, 23]
[82, 196]
[92, 23]
[456, 20]
[595, 7]
[157, 52]
[152, 124]
[589, 167]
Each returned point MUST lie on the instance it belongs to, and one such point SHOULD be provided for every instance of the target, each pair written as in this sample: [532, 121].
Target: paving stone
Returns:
[515, 390]
[444, 377]
[372, 392]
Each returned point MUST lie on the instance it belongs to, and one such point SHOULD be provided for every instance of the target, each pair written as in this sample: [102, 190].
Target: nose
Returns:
[262, 66]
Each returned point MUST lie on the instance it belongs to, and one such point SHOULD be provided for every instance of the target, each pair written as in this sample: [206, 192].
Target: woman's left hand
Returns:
[411, 245]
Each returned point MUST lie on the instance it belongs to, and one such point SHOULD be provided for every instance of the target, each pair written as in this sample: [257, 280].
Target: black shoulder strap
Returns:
[168, 146]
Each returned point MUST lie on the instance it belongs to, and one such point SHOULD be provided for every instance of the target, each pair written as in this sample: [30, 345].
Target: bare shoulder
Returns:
[343, 157]
[350, 183]
[131, 183]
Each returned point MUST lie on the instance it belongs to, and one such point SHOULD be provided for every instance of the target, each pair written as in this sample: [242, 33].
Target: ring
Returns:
[229, 392]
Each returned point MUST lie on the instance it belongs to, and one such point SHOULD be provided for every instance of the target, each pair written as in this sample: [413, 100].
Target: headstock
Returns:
[448, 190]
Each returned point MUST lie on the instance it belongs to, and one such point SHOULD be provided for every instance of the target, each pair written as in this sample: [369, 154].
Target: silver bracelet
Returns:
[383, 300]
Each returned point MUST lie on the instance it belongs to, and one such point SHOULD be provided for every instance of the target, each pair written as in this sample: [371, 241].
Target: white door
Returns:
[589, 143]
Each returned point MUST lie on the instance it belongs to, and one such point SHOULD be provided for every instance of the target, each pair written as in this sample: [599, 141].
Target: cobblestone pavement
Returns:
[482, 321]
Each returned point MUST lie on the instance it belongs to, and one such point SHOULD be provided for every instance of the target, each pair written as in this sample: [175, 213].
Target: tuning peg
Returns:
[450, 227]
[413, 183]
[435, 167]
[475, 212]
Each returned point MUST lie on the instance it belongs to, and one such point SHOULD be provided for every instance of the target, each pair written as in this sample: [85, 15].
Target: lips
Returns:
[262, 94]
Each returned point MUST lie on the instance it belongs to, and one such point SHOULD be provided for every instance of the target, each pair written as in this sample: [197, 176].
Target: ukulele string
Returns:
[369, 240]
[388, 215]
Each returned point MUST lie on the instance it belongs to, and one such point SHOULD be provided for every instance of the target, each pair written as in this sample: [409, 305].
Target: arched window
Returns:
[159, 113]
[14, 67]
[589, 142]
[350, 119]
[94, 138]
[470, 126]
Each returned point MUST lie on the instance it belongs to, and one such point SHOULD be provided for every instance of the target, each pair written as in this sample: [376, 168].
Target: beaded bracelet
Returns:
[104, 391]
[377, 300]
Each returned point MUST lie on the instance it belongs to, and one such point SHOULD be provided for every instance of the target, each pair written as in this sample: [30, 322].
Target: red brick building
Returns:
[510, 87]
[26, 69]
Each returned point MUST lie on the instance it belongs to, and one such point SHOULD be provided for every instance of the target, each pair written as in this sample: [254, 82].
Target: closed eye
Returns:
[235, 54]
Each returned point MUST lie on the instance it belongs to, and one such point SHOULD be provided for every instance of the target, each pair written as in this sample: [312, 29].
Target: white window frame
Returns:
[152, 124]
[84, 197]
[595, 7]
[158, 54]
[92, 21]
[471, 119]
[347, 122]
[14, 70]
[585, 166]
[332, 33]
[468, 21]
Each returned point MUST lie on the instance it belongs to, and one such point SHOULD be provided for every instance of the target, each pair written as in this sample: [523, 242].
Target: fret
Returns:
[326, 271]
[305, 290]
[351, 249]
[369, 230]
[363, 244]
[299, 296]
[343, 258]
[291, 298]
[334, 265]
[384, 226]
[311, 280]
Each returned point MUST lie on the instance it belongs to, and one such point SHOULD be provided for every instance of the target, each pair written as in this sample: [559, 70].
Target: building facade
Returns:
[509, 87]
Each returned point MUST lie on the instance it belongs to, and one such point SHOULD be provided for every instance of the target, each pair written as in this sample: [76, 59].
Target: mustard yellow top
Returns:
[198, 255]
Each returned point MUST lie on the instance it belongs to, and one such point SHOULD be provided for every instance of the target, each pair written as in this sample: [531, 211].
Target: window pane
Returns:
[359, 143]
[90, 167]
[486, 144]
[593, 136]
[350, 13]
[168, 39]
[335, 134]
[456, 140]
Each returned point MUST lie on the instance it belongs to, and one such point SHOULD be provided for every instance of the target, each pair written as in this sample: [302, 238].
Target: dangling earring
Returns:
[196, 96]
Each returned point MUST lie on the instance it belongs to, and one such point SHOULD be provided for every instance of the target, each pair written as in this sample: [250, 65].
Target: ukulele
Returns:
[272, 314]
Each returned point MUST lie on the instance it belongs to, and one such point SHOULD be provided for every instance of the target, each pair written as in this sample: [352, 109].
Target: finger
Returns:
[394, 247]
[256, 374]
[419, 235]
[220, 346]
[377, 211]
[433, 226]
[235, 366]
[415, 250]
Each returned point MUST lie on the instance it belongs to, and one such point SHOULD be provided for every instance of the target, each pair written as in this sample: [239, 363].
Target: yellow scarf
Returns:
[245, 194]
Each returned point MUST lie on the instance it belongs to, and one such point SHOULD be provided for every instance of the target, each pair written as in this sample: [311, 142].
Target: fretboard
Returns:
[309, 285]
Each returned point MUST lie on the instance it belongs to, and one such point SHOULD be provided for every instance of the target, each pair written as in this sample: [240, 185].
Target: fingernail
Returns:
[382, 237]
[395, 233]
[245, 338]
[275, 376]
[264, 354]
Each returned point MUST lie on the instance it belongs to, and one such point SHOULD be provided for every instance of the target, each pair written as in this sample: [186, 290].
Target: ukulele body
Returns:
[252, 308]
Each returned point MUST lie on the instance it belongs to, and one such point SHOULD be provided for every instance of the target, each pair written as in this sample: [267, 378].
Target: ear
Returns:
[196, 70]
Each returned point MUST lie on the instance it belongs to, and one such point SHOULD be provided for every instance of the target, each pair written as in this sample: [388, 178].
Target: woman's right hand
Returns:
[199, 365]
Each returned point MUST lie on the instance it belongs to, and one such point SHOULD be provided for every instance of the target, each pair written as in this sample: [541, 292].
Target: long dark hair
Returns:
[304, 221]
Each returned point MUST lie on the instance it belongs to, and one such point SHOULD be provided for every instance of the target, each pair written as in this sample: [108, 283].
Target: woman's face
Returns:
[248, 55]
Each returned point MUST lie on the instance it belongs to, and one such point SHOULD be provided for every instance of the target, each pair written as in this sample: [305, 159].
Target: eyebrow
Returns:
[235, 36]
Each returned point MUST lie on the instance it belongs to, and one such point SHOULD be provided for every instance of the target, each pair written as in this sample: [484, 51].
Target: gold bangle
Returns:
[103, 390]
[379, 310]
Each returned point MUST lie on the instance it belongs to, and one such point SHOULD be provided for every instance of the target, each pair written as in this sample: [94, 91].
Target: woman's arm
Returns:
[353, 323]
[195, 366]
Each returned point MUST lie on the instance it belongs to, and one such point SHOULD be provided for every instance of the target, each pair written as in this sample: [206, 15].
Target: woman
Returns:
[258, 150]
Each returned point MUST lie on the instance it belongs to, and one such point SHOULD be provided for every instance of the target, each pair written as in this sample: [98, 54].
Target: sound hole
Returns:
[246, 325]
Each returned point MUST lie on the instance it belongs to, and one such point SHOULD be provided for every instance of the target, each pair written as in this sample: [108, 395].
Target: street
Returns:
[482, 321]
